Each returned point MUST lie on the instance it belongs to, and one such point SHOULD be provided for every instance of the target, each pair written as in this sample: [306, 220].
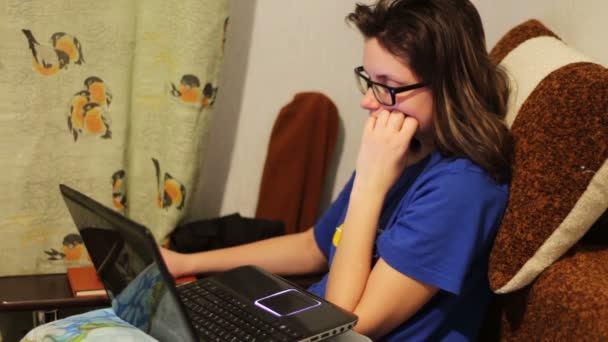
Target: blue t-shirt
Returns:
[440, 233]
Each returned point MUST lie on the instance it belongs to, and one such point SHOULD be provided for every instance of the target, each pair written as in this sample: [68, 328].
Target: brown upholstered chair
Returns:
[549, 263]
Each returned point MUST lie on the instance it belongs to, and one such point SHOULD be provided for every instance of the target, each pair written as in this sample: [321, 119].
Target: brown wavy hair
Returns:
[443, 42]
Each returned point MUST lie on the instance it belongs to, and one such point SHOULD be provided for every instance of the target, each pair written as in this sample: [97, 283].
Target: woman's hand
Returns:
[176, 262]
[384, 147]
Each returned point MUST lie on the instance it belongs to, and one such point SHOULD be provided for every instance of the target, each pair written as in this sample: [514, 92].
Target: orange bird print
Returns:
[94, 122]
[70, 45]
[189, 91]
[99, 91]
[49, 59]
[119, 190]
[170, 191]
[209, 94]
[73, 249]
[88, 108]
[76, 114]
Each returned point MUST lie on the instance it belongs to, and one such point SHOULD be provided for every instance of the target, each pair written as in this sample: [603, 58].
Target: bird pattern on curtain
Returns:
[112, 98]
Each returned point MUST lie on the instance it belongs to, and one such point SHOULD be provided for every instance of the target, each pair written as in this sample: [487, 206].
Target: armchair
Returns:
[549, 263]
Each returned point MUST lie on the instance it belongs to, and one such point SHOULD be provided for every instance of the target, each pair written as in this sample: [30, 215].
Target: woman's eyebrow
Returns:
[386, 77]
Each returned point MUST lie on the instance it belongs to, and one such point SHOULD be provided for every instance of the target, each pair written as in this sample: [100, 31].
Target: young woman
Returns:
[406, 243]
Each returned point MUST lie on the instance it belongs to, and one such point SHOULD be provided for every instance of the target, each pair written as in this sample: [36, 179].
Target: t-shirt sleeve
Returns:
[441, 226]
[324, 228]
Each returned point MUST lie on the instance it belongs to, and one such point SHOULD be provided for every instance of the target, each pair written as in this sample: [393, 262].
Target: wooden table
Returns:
[43, 294]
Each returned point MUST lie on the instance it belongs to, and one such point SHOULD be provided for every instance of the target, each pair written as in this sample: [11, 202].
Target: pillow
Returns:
[558, 115]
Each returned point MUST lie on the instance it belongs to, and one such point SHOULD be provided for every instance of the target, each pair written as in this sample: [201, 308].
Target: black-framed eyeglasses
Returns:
[383, 93]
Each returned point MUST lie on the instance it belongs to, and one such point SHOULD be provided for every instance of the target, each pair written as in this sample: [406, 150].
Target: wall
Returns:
[276, 48]
[582, 24]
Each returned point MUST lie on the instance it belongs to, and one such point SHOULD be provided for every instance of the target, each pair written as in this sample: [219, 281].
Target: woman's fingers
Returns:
[382, 118]
[409, 126]
[395, 125]
[395, 120]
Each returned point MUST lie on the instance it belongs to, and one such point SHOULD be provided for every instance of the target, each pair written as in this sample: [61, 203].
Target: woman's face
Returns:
[383, 67]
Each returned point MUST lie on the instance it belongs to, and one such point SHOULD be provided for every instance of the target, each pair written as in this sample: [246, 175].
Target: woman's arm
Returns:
[351, 265]
[389, 299]
[287, 254]
[382, 297]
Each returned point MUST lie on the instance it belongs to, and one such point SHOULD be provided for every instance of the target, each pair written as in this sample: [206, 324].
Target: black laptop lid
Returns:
[124, 254]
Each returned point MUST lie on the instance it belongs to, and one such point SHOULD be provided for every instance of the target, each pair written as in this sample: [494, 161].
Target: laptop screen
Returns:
[125, 257]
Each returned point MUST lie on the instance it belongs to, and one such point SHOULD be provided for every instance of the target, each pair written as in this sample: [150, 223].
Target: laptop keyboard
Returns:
[219, 316]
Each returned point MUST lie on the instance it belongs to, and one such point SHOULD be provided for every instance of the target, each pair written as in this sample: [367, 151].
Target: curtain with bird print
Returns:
[112, 98]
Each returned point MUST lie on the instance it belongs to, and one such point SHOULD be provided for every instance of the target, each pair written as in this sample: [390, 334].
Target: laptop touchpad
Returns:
[287, 303]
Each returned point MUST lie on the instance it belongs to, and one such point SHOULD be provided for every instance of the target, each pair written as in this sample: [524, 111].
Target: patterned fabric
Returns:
[110, 97]
[136, 301]
[98, 325]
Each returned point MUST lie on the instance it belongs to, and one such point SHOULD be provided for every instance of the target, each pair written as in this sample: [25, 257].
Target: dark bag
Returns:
[225, 231]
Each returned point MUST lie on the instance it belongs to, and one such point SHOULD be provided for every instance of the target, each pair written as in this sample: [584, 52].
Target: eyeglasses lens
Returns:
[381, 93]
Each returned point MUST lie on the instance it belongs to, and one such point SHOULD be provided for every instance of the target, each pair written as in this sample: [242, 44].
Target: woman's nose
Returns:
[369, 101]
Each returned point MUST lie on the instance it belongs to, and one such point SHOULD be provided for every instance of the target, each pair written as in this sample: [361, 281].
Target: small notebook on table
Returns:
[84, 282]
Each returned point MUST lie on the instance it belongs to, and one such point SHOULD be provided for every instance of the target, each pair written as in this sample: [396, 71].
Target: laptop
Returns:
[242, 304]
